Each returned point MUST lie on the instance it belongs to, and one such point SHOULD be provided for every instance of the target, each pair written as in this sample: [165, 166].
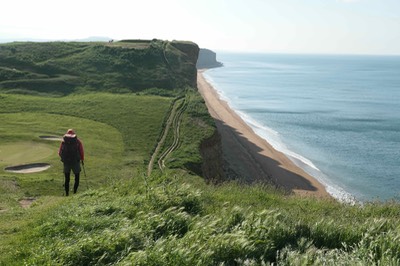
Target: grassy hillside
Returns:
[119, 133]
[116, 145]
[122, 215]
[126, 66]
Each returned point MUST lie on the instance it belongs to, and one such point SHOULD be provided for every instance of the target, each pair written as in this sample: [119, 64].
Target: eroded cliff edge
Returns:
[211, 153]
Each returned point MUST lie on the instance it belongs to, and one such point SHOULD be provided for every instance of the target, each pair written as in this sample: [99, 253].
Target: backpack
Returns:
[70, 150]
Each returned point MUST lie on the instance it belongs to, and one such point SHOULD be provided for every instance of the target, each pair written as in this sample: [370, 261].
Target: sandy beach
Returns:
[249, 156]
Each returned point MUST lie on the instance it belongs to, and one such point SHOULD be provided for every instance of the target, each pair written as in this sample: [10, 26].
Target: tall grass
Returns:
[170, 224]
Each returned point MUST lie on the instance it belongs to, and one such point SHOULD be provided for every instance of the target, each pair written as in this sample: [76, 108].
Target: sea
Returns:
[335, 116]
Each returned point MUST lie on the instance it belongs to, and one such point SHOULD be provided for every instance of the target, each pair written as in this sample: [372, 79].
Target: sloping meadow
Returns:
[118, 133]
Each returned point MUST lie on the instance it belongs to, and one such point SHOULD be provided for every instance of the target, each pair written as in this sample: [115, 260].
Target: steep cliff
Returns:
[182, 57]
[207, 59]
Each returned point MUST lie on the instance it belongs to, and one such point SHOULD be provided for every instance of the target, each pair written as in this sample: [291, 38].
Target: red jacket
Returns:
[80, 147]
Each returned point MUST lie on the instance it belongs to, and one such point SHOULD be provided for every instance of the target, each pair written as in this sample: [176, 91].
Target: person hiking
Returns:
[71, 154]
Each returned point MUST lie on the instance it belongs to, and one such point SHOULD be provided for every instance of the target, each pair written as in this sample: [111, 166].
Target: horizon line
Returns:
[104, 38]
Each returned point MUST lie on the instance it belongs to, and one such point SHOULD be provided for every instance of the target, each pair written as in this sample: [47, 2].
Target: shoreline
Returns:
[250, 156]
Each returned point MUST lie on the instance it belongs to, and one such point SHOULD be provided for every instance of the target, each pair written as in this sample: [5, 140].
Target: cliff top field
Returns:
[174, 214]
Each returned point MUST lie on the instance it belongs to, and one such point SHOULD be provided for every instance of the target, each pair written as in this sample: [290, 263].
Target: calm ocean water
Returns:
[338, 117]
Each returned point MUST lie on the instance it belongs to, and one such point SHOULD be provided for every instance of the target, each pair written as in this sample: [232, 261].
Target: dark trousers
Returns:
[75, 167]
[66, 184]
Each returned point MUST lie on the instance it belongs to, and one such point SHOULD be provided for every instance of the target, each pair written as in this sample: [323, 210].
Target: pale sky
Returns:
[284, 26]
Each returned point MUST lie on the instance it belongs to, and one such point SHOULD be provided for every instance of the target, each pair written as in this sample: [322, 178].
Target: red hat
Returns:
[70, 133]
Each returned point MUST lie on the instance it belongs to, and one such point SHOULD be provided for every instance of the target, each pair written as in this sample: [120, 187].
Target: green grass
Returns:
[172, 221]
[27, 127]
[175, 218]
[196, 126]
[62, 68]
[24, 152]
[118, 133]
[137, 118]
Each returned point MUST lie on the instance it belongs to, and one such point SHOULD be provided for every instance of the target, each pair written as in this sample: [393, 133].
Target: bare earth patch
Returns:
[28, 168]
[27, 202]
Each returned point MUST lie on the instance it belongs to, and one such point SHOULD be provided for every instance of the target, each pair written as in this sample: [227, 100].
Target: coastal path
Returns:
[173, 121]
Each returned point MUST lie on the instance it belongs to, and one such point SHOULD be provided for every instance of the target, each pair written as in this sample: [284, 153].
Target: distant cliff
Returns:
[123, 66]
[207, 59]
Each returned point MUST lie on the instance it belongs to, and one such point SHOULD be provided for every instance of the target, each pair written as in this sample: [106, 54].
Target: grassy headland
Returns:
[122, 216]
[126, 66]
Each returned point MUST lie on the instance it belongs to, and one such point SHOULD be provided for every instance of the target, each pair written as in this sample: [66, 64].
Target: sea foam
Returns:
[274, 139]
